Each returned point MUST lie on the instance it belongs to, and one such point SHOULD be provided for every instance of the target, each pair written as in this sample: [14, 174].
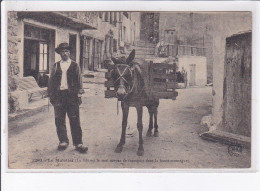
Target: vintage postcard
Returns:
[129, 90]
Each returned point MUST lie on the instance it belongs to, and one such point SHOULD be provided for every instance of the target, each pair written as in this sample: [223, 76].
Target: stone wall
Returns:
[225, 25]
[12, 59]
[12, 44]
[201, 68]
[237, 85]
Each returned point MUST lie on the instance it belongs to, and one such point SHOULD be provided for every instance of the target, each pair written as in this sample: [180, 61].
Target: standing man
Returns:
[65, 89]
[160, 49]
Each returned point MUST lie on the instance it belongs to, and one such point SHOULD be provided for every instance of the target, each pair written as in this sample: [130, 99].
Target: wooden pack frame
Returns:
[160, 81]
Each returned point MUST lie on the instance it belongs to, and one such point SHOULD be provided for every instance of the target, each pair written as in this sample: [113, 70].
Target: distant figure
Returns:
[151, 38]
[160, 49]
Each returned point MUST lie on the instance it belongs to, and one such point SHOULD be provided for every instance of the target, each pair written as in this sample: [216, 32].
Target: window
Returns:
[114, 45]
[121, 33]
[119, 17]
[111, 17]
[115, 18]
[43, 57]
[126, 14]
[36, 33]
[124, 37]
[100, 14]
[110, 45]
[86, 52]
[106, 16]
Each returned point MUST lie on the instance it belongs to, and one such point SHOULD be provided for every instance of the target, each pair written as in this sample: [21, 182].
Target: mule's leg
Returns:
[156, 132]
[125, 110]
[149, 132]
[139, 109]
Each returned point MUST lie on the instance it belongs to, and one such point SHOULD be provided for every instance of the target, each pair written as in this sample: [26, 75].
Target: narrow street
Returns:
[33, 141]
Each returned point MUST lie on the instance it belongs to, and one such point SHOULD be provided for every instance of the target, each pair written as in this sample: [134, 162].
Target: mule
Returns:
[130, 90]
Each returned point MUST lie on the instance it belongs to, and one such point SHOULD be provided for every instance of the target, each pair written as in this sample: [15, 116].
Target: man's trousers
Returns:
[69, 104]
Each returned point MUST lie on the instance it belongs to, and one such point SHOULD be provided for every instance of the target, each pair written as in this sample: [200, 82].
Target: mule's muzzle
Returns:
[121, 93]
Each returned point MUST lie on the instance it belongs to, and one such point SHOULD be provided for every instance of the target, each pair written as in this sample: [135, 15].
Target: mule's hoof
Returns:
[140, 152]
[149, 133]
[156, 134]
[119, 149]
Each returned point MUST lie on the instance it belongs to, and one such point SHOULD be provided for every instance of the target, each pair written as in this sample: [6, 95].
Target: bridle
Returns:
[121, 76]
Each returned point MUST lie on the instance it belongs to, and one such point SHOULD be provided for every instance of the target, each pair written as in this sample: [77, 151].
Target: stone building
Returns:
[94, 36]
[115, 32]
[33, 36]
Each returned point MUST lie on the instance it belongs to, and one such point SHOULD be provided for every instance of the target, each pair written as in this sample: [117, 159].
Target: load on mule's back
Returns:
[138, 83]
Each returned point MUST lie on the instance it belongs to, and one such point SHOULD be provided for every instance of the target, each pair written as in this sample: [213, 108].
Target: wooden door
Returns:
[192, 75]
[73, 44]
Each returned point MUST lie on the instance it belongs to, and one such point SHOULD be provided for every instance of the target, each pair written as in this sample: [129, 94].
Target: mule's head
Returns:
[122, 75]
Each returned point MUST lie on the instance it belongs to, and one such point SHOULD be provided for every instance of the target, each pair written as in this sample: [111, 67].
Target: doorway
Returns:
[192, 75]
[73, 45]
[39, 45]
[85, 53]
[31, 58]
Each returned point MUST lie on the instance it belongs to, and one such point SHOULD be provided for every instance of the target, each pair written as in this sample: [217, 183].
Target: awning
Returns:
[56, 18]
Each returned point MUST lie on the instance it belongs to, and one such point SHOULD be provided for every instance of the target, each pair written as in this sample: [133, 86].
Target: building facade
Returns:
[189, 29]
[93, 36]
[116, 32]
[38, 33]
[226, 25]
[149, 27]
[196, 68]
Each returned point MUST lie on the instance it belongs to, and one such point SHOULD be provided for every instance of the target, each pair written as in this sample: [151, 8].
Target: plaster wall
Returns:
[225, 25]
[201, 68]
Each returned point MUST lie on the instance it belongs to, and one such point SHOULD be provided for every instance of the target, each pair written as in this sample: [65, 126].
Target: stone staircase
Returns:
[143, 49]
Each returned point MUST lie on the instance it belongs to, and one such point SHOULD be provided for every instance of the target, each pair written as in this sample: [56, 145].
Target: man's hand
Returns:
[81, 91]
[79, 99]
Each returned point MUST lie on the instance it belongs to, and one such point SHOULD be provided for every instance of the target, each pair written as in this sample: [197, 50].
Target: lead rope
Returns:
[117, 107]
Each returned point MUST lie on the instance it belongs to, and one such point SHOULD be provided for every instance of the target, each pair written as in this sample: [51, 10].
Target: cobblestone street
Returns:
[33, 141]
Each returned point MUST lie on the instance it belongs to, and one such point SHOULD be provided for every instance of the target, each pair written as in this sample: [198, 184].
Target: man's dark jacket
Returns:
[74, 82]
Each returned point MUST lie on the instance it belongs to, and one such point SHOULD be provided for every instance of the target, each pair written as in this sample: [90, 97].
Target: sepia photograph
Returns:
[129, 90]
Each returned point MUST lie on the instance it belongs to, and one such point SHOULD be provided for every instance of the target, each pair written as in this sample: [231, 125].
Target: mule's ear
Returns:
[130, 57]
[114, 60]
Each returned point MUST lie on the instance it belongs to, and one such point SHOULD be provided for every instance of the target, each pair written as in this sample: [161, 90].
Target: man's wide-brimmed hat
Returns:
[61, 46]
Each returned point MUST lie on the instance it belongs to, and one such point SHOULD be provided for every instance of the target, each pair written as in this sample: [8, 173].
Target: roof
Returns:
[56, 18]
[240, 33]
